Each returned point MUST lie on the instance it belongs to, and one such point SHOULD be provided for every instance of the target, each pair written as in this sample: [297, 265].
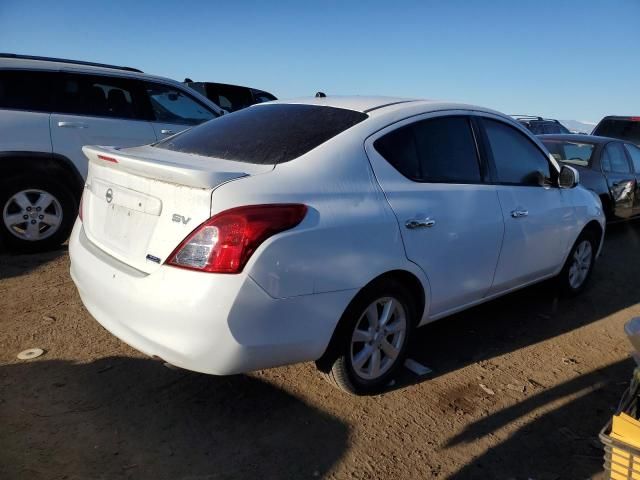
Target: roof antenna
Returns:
[188, 80]
[320, 95]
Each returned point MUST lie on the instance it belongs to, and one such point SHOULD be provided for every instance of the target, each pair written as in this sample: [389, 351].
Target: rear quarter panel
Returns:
[348, 237]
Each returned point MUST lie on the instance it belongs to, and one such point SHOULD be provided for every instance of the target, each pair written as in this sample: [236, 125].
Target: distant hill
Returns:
[578, 127]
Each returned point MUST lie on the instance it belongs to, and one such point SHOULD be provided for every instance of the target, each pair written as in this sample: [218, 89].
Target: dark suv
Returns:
[623, 128]
[541, 126]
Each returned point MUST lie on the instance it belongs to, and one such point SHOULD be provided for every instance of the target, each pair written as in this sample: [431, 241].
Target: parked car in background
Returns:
[49, 109]
[623, 128]
[539, 125]
[324, 229]
[230, 97]
[609, 167]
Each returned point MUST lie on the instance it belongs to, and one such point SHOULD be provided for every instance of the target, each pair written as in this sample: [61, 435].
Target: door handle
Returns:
[73, 125]
[519, 213]
[164, 131]
[419, 223]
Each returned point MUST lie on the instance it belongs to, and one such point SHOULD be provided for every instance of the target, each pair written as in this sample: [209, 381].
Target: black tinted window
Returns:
[229, 97]
[516, 157]
[624, 129]
[266, 134]
[399, 149]
[26, 90]
[100, 96]
[614, 159]
[434, 150]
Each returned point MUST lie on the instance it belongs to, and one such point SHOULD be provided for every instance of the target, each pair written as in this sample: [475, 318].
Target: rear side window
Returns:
[267, 134]
[614, 159]
[101, 96]
[438, 150]
[26, 90]
[172, 105]
[517, 159]
[634, 153]
[624, 129]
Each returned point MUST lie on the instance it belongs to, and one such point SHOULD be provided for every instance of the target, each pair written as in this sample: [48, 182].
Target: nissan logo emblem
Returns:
[109, 195]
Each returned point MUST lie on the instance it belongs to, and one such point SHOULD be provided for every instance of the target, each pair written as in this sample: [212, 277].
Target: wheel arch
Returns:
[406, 278]
[596, 229]
[47, 164]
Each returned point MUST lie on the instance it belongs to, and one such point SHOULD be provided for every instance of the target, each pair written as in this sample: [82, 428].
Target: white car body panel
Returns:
[285, 304]
[24, 131]
[69, 133]
[546, 234]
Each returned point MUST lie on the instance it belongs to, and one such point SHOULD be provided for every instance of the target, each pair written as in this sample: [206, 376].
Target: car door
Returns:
[620, 178]
[634, 154]
[450, 219]
[538, 219]
[174, 110]
[25, 107]
[97, 110]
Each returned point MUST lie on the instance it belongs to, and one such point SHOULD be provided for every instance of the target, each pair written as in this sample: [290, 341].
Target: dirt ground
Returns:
[552, 371]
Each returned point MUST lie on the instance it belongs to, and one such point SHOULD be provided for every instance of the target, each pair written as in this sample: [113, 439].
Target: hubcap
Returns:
[582, 258]
[378, 338]
[32, 215]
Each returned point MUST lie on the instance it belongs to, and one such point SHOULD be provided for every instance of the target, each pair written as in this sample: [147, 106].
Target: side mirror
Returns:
[569, 177]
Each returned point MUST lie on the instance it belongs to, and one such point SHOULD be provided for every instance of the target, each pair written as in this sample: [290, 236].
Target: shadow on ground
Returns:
[129, 418]
[15, 264]
[562, 443]
[533, 314]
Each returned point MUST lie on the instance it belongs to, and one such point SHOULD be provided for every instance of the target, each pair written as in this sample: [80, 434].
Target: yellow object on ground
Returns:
[625, 465]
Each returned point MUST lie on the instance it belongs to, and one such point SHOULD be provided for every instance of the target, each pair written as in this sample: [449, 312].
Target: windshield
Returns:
[266, 134]
[624, 129]
[577, 153]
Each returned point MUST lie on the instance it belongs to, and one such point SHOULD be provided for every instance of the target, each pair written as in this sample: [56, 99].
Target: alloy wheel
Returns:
[581, 264]
[32, 215]
[378, 338]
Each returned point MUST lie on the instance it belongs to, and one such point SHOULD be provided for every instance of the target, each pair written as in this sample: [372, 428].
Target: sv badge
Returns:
[180, 219]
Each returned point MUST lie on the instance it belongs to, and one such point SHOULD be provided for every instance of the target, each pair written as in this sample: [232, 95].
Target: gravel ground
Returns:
[520, 389]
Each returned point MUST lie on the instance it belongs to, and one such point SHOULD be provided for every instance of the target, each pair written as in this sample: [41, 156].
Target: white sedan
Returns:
[323, 229]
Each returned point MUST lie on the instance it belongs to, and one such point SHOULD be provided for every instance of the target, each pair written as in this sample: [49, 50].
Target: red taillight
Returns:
[635, 119]
[225, 242]
[107, 159]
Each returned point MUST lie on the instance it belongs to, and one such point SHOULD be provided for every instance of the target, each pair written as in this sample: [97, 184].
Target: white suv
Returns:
[49, 109]
[323, 229]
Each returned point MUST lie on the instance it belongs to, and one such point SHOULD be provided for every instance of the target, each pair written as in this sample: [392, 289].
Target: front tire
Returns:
[578, 268]
[375, 331]
[36, 214]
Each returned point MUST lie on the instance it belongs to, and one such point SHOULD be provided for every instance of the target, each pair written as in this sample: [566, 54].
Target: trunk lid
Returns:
[140, 203]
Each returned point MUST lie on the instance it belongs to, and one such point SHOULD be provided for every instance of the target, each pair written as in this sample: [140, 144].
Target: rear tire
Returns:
[372, 341]
[37, 214]
[578, 268]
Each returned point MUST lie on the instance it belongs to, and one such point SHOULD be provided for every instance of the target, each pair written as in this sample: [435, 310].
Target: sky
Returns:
[565, 59]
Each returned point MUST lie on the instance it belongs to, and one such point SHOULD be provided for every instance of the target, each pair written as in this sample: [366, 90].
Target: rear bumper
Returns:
[219, 324]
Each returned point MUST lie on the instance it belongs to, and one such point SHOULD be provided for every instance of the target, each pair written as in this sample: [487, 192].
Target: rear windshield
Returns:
[578, 153]
[268, 134]
[623, 129]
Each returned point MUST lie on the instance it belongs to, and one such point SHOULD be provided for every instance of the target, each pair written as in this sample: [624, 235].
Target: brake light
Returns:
[107, 159]
[225, 242]
[635, 119]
